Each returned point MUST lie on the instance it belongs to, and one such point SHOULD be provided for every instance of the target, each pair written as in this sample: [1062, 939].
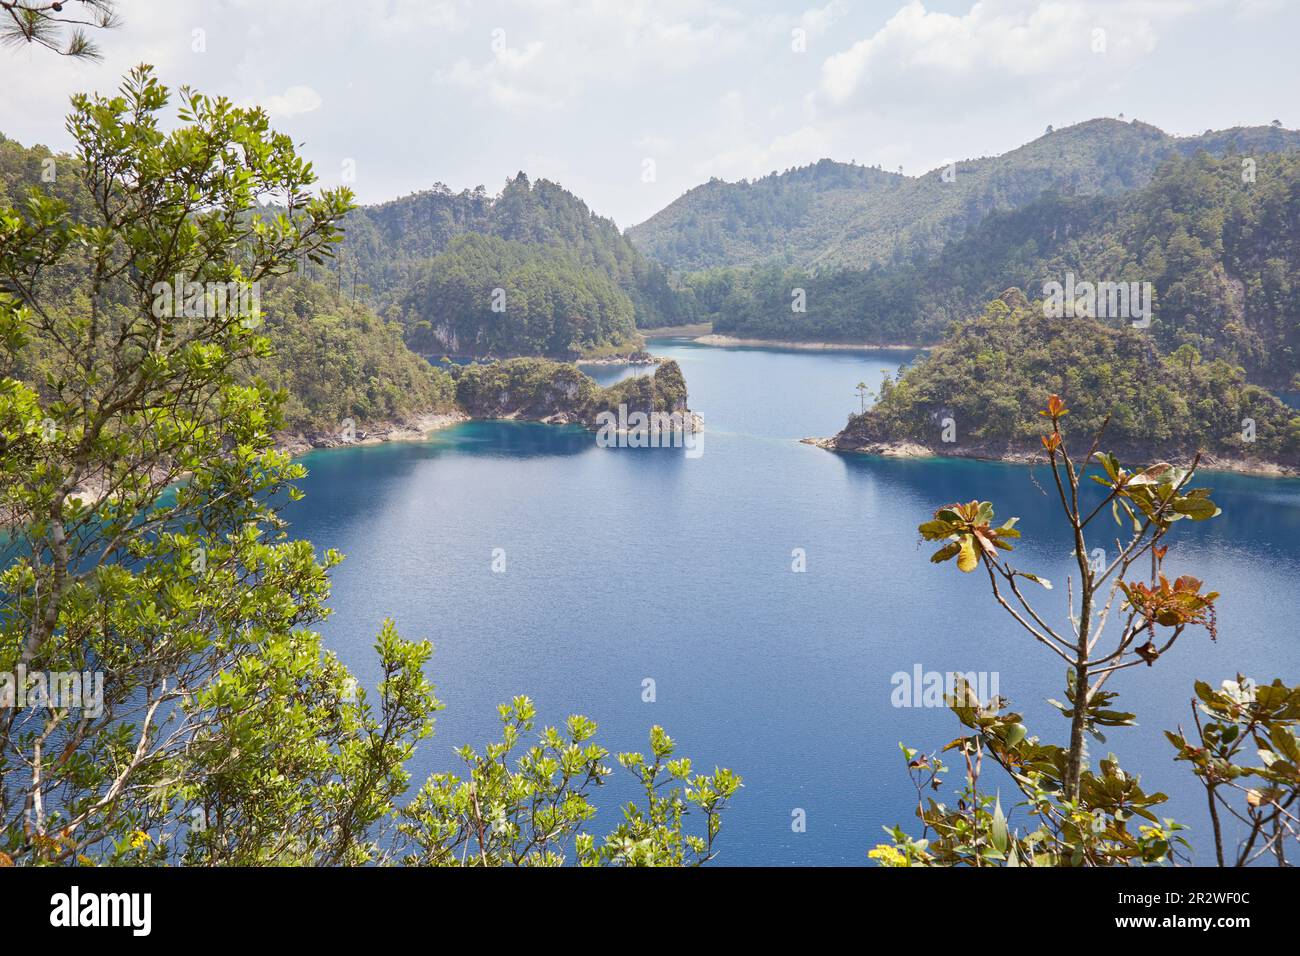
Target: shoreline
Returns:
[416, 428]
[677, 331]
[296, 444]
[914, 450]
[728, 341]
[632, 359]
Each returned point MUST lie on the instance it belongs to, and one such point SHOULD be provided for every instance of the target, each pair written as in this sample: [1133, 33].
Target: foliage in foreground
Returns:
[1252, 803]
[331, 355]
[526, 815]
[1085, 815]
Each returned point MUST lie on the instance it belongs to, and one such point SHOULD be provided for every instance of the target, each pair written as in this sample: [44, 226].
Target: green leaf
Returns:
[1014, 734]
[1285, 742]
[932, 530]
[1198, 509]
[998, 830]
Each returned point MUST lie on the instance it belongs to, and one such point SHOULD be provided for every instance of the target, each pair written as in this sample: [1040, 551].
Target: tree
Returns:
[163, 697]
[1084, 812]
[107, 572]
[527, 816]
[50, 24]
[1150, 501]
[1245, 716]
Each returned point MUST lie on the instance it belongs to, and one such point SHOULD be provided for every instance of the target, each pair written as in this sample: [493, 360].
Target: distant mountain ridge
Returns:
[836, 215]
[1216, 243]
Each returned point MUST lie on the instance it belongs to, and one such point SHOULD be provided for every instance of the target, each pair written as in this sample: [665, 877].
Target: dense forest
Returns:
[487, 296]
[397, 253]
[332, 358]
[1217, 250]
[834, 216]
[337, 360]
[986, 382]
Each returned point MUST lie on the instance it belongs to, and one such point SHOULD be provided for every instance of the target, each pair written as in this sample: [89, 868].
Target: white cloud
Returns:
[997, 45]
[744, 150]
[1248, 9]
[820, 19]
[294, 101]
[749, 160]
[508, 79]
[407, 16]
[555, 57]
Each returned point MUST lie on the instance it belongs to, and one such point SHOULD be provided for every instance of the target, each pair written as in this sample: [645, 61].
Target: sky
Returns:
[629, 103]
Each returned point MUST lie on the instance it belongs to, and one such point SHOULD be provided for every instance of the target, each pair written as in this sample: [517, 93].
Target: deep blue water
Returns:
[626, 564]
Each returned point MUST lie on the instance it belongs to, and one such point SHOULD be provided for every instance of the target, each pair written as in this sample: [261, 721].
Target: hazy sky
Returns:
[603, 95]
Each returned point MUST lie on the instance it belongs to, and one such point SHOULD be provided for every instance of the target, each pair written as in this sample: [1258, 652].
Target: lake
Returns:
[624, 565]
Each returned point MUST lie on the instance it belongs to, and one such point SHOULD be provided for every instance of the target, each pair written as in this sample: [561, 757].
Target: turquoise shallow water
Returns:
[628, 564]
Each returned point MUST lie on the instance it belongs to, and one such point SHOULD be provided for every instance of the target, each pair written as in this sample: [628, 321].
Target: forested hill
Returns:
[831, 215]
[335, 359]
[979, 394]
[391, 245]
[1220, 250]
[786, 218]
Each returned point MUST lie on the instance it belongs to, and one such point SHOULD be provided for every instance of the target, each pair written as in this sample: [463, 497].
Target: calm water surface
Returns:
[627, 564]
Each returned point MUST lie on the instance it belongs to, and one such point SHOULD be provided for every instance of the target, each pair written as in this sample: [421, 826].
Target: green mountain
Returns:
[978, 394]
[410, 256]
[337, 360]
[786, 218]
[486, 296]
[831, 215]
[1218, 240]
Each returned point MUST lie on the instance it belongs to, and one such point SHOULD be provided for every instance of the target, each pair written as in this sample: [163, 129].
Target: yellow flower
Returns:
[888, 855]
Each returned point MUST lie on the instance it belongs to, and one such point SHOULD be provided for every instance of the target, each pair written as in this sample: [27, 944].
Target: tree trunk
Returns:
[1074, 769]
